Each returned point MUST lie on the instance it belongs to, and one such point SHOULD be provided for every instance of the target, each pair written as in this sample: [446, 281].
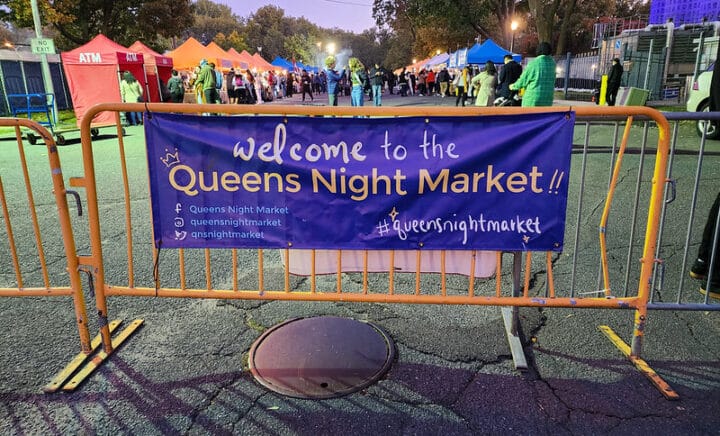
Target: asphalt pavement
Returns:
[185, 370]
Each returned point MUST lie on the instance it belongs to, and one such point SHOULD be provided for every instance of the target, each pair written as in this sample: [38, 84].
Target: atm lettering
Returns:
[131, 57]
[91, 58]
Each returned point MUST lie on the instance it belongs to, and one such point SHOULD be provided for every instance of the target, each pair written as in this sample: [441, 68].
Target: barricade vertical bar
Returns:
[365, 272]
[181, 261]
[33, 213]
[651, 232]
[668, 178]
[261, 269]
[498, 274]
[471, 274]
[11, 236]
[633, 222]
[526, 281]
[391, 273]
[693, 205]
[208, 270]
[606, 209]
[313, 277]
[550, 279]
[234, 270]
[418, 267]
[443, 285]
[73, 269]
[581, 196]
[98, 269]
[339, 271]
[128, 214]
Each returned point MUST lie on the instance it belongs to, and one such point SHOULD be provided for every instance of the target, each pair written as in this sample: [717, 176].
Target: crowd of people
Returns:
[485, 85]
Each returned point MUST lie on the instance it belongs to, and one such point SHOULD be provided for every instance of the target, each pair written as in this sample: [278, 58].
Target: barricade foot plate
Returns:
[516, 347]
[84, 364]
[640, 364]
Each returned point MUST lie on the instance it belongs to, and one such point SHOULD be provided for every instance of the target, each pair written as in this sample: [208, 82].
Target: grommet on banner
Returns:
[427, 120]
[420, 244]
[289, 244]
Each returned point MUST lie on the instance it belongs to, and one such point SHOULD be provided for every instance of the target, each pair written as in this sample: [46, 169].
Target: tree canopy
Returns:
[75, 22]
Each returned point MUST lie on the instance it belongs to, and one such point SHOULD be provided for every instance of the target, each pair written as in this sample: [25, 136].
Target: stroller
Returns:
[514, 100]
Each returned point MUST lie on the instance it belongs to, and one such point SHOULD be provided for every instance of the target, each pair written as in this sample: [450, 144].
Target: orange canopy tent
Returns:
[252, 62]
[189, 54]
[93, 75]
[158, 68]
[262, 64]
[239, 60]
[224, 61]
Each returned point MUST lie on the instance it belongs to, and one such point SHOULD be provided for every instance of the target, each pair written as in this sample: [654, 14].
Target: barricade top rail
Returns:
[581, 111]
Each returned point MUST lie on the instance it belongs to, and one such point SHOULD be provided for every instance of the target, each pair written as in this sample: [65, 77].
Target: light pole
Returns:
[513, 28]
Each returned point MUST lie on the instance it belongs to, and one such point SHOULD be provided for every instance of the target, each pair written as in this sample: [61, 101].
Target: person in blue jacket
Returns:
[333, 77]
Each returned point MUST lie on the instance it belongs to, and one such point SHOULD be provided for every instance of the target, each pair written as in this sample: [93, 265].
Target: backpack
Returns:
[239, 82]
[175, 86]
[218, 80]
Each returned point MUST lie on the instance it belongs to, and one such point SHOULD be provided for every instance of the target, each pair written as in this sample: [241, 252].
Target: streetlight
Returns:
[513, 28]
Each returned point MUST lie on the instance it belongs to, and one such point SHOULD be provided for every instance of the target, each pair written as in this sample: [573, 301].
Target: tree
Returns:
[211, 19]
[234, 40]
[124, 21]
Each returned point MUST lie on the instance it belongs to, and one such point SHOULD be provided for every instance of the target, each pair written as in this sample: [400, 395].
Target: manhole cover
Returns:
[321, 357]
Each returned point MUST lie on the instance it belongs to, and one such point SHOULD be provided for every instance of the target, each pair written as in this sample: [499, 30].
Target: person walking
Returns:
[509, 74]
[462, 82]
[403, 83]
[357, 76]
[377, 78]
[443, 78]
[176, 87]
[306, 82]
[485, 83]
[538, 79]
[333, 80]
[131, 92]
[613, 82]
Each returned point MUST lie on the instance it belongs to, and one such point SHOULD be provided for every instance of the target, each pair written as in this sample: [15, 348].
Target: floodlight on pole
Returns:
[331, 48]
[513, 28]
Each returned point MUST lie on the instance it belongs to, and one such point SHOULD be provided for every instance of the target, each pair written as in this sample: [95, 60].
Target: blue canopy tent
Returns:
[282, 63]
[458, 59]
[488, 51]
[440, 59]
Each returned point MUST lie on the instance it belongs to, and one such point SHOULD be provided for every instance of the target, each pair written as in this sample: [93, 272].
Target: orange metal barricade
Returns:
[137, 268]
[27, 241]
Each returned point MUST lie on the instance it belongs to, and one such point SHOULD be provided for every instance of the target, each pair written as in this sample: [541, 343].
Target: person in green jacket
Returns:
[538, 79]
[206, 77]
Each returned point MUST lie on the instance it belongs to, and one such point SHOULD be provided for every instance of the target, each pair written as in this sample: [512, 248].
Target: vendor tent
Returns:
[158, 69]
[458, 59]
[93, 75]
[437, 60]
[252, 62]
[222, 60]
[488, 51]
[282, 63]
[261, 63]
[238, 59]
[188, 55]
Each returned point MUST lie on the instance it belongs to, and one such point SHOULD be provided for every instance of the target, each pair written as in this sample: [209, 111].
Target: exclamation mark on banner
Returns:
[555, 182]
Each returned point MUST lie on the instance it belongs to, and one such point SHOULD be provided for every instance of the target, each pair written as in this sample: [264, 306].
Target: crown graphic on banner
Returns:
[170, 159]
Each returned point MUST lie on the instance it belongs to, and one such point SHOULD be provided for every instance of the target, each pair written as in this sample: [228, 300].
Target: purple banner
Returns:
[490, 183]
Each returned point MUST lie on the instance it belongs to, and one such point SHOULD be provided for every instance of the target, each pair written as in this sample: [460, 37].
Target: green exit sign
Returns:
[42, 46]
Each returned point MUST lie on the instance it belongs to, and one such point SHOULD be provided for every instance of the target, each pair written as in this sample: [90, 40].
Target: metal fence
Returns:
[622, 250]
